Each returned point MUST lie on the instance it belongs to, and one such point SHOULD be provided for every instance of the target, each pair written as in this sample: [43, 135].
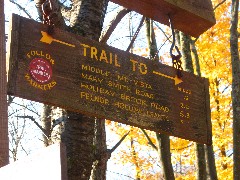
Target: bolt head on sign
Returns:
[40, 70]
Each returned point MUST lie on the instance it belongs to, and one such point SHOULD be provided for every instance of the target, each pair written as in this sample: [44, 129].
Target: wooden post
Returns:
[4, 146]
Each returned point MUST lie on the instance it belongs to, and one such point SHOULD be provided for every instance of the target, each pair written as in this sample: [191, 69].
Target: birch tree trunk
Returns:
[79, 135]
[235, 87]
[86, 19]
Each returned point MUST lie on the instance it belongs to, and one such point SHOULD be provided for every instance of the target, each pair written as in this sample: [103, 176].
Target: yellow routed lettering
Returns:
[122, 78]
[97, 89]
[92, 78]
[186, 91]
[144, 94]
[134, 63]
[138, 110]
[118, 86]
[34, 53]
[27, 76]
[42, 54]
[116, 61]
[110, 58]
[160, 107]
[38, 54]
[94, 52]
[95, 70]
[103, 56]
[143, 68]
[93, 98]
[48, 56]
[43, 87]
[28, 55]
[33, 83]
[142, 84]
[52, 61]
[85, 46]
[133, 99]
[85, 67]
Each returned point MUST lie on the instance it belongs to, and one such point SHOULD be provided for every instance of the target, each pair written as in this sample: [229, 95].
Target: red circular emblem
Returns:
[40, 70]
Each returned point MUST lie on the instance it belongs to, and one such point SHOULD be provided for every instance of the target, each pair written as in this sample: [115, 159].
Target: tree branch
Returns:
[35, 122]
[168, 38]
[136, 34]
[113, 24]
[21, 8]
[219, 5]
[149, 140]
[109, 151]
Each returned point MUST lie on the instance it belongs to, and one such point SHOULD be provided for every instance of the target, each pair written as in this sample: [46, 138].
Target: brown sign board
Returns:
[85, 76]
[47, 163]
[192, 17]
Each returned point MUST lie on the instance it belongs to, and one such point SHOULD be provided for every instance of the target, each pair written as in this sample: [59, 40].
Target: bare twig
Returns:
[21, 8]
[35, 122]
[35, 112]
[116, 145]
[168, 37]
[149, 140]
[219, 4]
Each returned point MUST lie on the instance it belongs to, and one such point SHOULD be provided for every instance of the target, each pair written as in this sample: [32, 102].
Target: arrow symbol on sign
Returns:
[176, 79]
[46, 38]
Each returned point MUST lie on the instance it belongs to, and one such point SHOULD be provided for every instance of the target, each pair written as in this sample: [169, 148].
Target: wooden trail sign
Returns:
[192, 17]
[86, 76]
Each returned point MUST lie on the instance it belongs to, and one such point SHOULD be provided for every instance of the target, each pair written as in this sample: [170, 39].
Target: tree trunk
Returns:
[211, 166]
[46, 124]
[79, 129]
[209, 153]
[78, 138]
[186, 52]
[135, 161]
[86, 19]
[235, 87]
[163, 140]
[4, 148]
[100, 147]
[165, 155]
[152, 43]
[185, 41]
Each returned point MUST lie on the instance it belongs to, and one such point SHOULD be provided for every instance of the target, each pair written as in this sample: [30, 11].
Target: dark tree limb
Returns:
[234, 49]
[149, 140]
[35, 122]
[21, 8]
[117, 145]
[165, 155]
[219, 4]
[113, 24]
